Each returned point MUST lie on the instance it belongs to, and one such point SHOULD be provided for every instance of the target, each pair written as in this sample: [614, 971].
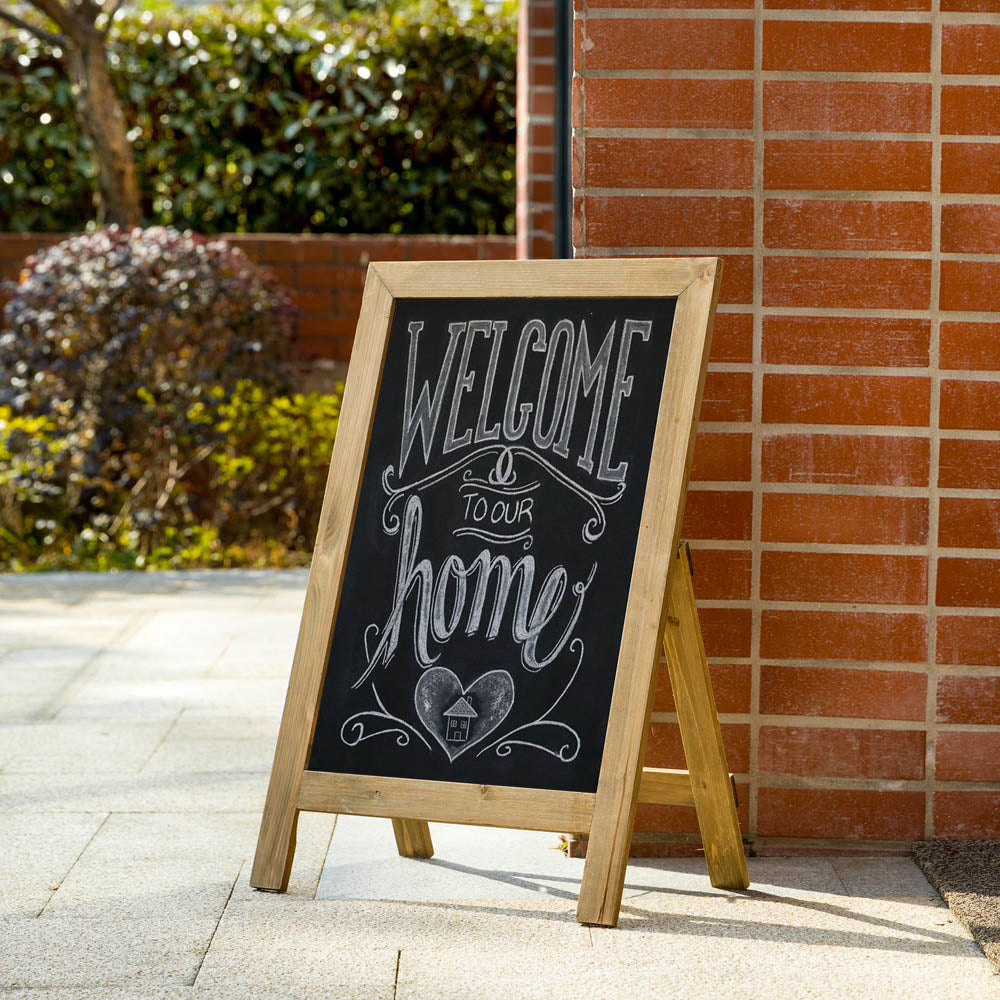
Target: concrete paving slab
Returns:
[280, 952]
[84, 952]
[44, 625]
[267, 651]
[36, 853]
[58, 747]
[794, 877]
[888, 877]
[141, 903]
[123, 666]
[253, 697]
[483, 863]
[48, 657]
[159, 697]
[172, 793]
[197, 745]
[479, 863]
[27, 692]
[767, 947]
[159, 865]
[106, 993]
[199, 635]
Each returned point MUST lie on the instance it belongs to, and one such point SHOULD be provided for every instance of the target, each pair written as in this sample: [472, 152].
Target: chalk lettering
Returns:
[620, 388]
[434, 619]
[425, 415]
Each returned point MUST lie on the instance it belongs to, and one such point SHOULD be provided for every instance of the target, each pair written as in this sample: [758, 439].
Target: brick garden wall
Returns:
[325, 273]
[845, 504]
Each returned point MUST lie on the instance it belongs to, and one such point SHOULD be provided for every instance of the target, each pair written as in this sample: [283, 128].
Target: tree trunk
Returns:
[99, 113]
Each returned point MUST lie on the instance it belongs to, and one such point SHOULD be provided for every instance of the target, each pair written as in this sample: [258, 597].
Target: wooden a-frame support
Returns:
[706, 784]
[608, 814]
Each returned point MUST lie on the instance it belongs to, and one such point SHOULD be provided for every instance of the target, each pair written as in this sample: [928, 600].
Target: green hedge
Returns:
[258, 119]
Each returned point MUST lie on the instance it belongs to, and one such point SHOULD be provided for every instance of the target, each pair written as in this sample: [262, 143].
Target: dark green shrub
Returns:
[256, 119]
[262, 488]
[268, 473]
[112, 340]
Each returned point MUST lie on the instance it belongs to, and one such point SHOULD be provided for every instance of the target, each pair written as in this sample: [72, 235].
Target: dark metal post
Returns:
[562, 188]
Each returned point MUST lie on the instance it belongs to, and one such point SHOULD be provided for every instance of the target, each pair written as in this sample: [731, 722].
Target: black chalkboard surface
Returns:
[487, 578]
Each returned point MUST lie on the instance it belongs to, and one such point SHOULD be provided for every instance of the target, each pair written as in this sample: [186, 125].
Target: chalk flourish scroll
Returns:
[501, 474]
[366, 725]
[545, 734]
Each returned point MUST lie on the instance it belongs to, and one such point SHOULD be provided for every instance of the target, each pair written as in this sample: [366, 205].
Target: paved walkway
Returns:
[137, 721]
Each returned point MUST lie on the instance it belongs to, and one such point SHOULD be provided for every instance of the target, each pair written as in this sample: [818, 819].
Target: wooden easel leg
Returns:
[272, 864]
[700, 732]
[413, 838]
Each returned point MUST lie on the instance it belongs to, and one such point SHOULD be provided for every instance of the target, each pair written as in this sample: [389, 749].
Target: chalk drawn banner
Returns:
[486, 585]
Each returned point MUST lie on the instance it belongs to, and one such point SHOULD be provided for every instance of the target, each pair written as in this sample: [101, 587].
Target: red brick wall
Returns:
[843, 157]
[324, 273]
[535, 129]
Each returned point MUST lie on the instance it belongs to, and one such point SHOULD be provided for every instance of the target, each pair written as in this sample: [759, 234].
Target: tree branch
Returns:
[111, 16]
[56, 12]
[88, 10]
[41, 33]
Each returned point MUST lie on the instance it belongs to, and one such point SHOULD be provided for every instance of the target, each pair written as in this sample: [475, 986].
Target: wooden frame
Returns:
[607, 815]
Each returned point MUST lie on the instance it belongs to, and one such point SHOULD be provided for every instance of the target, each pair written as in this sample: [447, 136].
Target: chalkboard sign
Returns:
[489, 568]
[489, 584]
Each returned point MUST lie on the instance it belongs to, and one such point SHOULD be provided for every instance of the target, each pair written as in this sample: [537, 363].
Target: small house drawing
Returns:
[459, 717]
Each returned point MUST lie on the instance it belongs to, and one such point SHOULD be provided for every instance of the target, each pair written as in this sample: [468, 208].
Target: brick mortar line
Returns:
[954, 316]
[860, 371]
[883, 17]
[812, 847]
[828, 783]
[836, 489]
[842, 607]
[933, 507]
[887, 666]
[795, 76]
[873, 198]
[788, 135]
[853, 549]
[835, 430]
[862, 723]
[853, 430]
[809, 253]
[756, 464]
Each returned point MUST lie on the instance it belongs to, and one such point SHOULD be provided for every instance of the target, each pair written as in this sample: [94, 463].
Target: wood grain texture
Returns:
[617, 278]
[711, 783]
[276, 840]
[628, 724]
[413, 838]
[447, 802]
[664, 786]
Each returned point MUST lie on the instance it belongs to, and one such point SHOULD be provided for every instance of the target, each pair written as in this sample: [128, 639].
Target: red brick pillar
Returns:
[845, 503]
[535, 128]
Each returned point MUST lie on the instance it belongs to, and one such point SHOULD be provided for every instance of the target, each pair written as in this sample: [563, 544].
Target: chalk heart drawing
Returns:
[490, 696]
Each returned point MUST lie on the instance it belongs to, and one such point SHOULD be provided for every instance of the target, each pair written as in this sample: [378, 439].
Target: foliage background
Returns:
[146, 414]
[258, 118]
